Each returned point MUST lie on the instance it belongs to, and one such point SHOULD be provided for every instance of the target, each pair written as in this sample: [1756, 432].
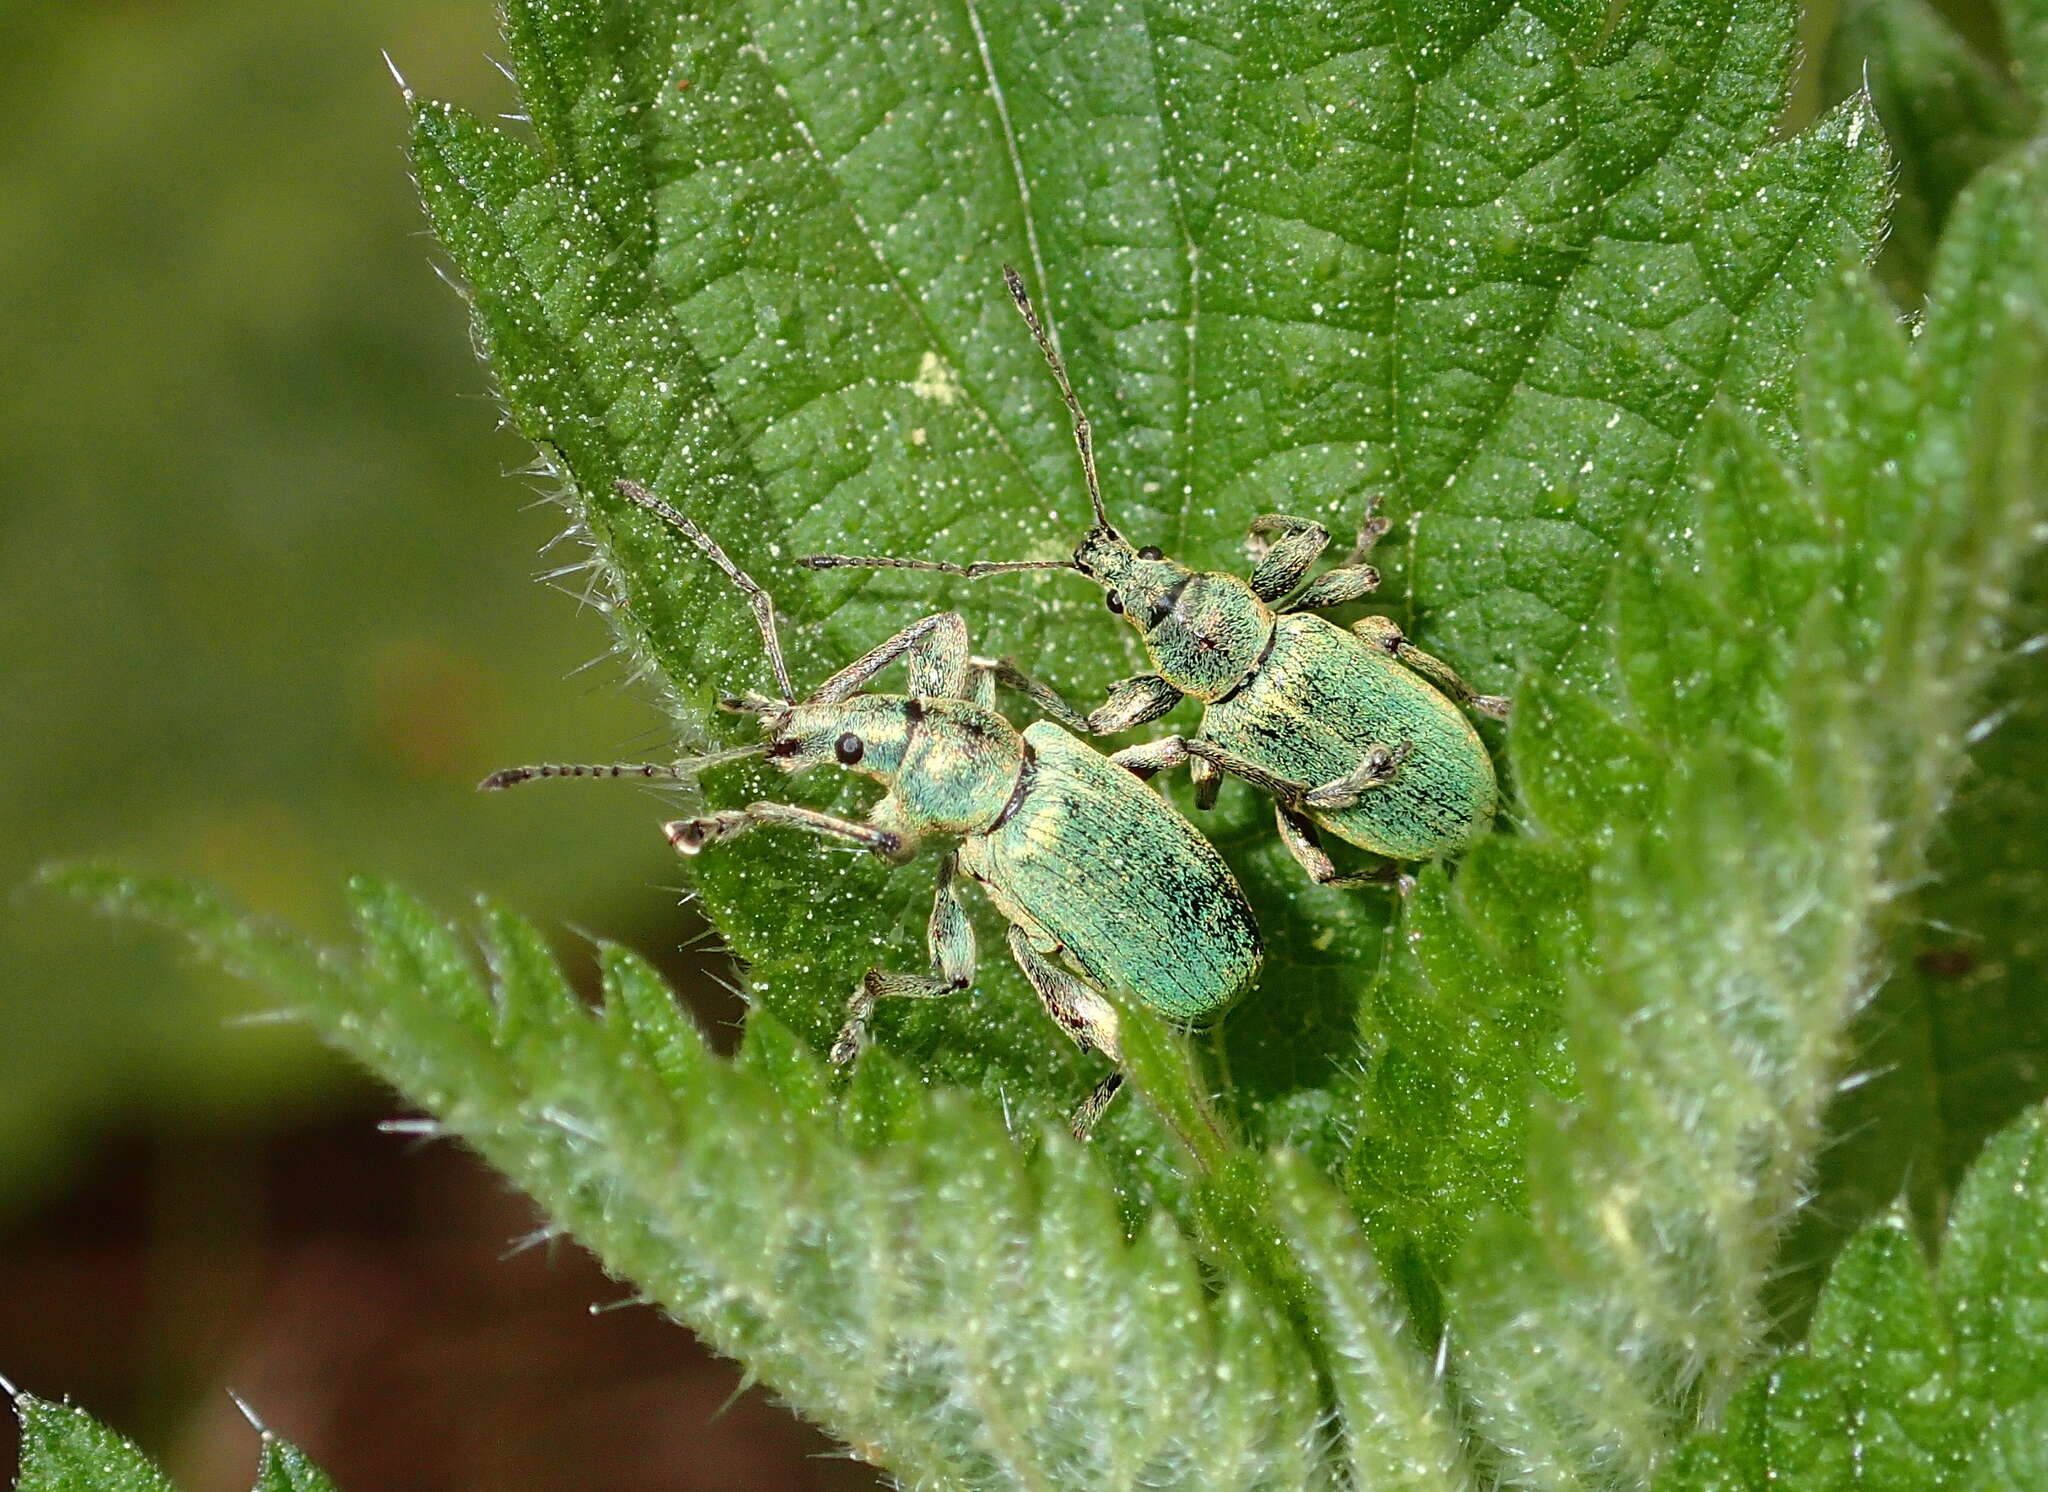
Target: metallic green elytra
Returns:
[1090, 868]
[1355, 731]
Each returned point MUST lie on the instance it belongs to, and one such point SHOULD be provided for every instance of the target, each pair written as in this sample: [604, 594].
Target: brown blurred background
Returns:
[267, 608]
[268, 613]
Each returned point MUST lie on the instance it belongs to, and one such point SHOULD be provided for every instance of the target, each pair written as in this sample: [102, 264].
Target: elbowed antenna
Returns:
[1084, 437]
[685, 770]
[759, 599]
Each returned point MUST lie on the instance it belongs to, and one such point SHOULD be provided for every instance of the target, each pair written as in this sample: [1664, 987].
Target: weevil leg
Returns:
[1081, 1013]
[1300, 543]
[1131, 703]
[1286, 789]
[1149, 758]
[951, 939]
[1082, 1121]
[1376, 768]
[1138, 700]
[1207, 778]
[688, 836]
[1299, 833]
[1335, 587]
[1383, 633]
[1008, 675]
[935, 649]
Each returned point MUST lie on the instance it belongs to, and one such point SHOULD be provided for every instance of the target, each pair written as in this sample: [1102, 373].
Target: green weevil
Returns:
[1086, 864]
[1351, 731]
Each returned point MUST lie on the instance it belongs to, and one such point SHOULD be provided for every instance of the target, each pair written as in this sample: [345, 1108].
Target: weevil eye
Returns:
[849, 748]
[1151, 552]
[1114, 602]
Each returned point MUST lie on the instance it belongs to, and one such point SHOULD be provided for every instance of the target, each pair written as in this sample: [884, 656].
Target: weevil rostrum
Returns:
[1103, 884]
[1356, 731]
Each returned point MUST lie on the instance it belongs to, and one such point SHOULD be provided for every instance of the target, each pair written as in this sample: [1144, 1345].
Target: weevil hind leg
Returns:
[951, 938]
[1384, 633]
[1378, 766]
[934, 650]
[1305, 842]
[1082, 1014]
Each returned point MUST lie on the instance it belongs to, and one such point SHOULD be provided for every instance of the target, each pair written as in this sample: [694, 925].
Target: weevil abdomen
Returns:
[1321, 699]
[1135, 897]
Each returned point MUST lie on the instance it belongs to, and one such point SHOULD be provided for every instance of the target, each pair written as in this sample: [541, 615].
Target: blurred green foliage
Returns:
[265, 595]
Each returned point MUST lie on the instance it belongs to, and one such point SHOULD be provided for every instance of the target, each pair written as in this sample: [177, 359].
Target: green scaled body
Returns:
[1356, 732]
[1321, 699]
[1092, 863]
[1104, 886]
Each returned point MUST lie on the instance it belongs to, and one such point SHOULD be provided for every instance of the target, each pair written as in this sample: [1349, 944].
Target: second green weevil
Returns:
[1103, 885]
[1354, 731]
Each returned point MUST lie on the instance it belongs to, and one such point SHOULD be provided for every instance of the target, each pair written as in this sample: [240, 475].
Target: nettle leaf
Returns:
[1948, 112]
[960, 1304]
[1491, 1202]
[1490, 265]
[1717, 831]
[1955, 1044]
[64, 1449]
[1909, 1376]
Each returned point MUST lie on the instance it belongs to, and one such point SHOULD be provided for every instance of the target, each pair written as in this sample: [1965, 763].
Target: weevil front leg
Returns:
[1082, 1014]
[951, 939]
[934, 650]
[1383, 633]
[1376, 768]
[689, 836]
[1299, 833]
[1352, 578]
[1300, 544]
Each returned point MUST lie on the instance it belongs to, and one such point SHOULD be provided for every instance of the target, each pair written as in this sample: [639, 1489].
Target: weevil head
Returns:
[1203, 630]
[1140, 585]
[865, 734]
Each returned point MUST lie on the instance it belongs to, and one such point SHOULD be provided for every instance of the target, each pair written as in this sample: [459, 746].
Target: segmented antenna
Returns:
[1084, 438]
[760, 600]
[685, 770]
[885, 562]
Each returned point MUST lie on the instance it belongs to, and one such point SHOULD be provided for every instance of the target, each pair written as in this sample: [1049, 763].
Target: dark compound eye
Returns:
[1114, 602]
[1150, 551]
[850, 748]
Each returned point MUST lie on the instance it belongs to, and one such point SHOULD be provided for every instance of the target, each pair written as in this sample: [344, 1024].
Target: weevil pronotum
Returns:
[1350, 731]
[1087, 865]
